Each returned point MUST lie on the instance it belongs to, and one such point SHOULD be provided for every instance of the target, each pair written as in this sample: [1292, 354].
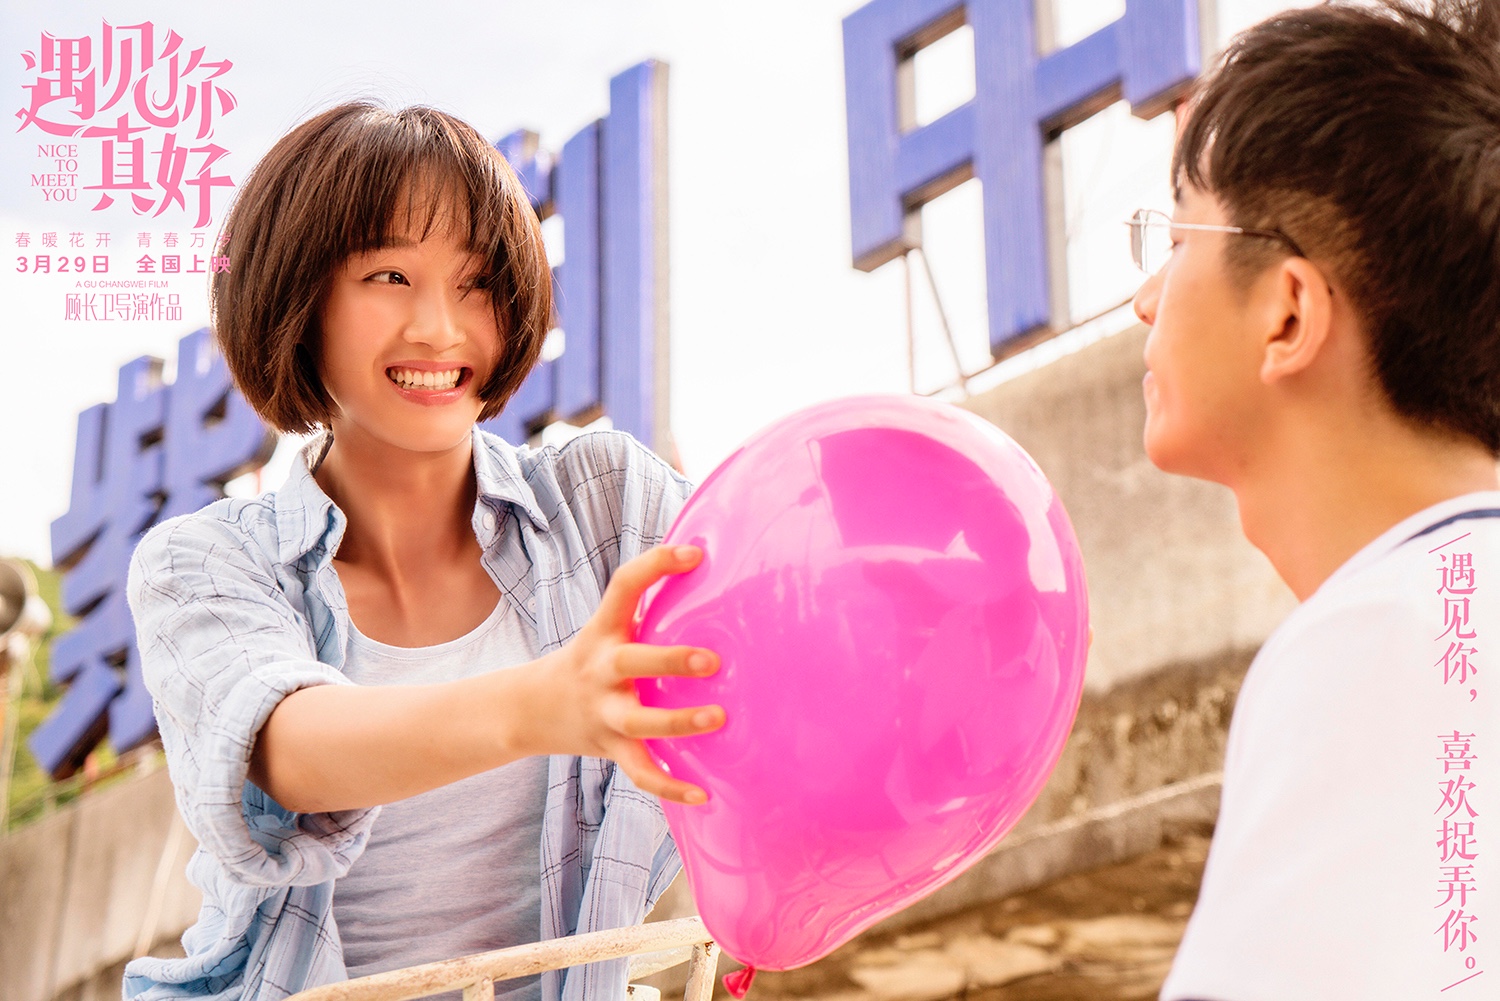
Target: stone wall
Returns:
[81, 889]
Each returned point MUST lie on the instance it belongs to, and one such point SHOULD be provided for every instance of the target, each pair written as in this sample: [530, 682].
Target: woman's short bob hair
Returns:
[342, 183]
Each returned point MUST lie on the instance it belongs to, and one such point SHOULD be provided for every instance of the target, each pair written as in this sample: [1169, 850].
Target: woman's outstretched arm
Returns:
[342, 747]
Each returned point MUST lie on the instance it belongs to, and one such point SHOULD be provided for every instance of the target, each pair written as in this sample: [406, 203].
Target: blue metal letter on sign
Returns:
[156, 452]
[1149, 55]
[608, 185]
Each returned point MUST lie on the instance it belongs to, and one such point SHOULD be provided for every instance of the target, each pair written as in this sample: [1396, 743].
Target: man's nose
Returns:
[1146, 298]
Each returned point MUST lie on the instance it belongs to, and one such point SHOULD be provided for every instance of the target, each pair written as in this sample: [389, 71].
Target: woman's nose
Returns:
[436, 322]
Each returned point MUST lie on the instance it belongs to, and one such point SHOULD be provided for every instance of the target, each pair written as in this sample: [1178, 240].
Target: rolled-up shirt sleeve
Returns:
[221, 645]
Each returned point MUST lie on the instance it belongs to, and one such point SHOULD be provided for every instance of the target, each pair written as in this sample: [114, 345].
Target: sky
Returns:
[767, 313]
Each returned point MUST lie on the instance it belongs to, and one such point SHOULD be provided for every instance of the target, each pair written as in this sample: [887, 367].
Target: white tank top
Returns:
[455, 870]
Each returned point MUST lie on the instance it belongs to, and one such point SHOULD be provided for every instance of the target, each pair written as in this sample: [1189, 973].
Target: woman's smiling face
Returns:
[408, 337]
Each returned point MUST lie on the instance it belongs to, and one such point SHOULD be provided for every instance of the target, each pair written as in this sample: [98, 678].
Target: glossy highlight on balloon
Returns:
[899, 603]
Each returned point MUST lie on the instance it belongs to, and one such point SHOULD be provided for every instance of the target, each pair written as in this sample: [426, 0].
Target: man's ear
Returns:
[1299, 315]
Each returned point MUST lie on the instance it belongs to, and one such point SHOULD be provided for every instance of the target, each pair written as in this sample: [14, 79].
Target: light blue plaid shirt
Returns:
[238, 605]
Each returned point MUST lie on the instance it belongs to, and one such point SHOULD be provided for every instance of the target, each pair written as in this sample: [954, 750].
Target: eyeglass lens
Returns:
[1150, 241]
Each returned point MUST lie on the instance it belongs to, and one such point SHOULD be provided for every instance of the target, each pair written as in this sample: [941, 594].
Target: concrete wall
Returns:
[1171, 579]
[76, 892]
[1178, 600]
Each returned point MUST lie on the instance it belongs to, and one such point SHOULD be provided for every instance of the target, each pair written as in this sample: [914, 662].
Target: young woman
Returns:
[396, 694]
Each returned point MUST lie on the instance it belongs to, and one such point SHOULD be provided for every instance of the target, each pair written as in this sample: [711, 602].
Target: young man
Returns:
[1326, 342]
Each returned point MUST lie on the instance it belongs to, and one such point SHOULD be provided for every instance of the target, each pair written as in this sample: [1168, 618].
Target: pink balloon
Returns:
[899, 603]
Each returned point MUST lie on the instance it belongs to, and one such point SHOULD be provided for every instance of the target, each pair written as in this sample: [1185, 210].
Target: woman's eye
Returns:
[389, 278]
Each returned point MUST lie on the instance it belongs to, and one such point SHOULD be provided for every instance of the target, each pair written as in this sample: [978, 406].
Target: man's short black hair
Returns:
[1369, 132]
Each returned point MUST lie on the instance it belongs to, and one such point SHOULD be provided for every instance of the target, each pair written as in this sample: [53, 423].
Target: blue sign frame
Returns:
[156, 452]
[1149, 56]
[609, 186]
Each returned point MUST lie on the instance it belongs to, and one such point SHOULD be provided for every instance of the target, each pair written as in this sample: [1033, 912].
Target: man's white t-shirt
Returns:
[1338, 865]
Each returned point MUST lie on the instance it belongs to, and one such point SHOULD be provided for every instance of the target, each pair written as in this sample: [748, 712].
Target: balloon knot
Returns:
[738, 982]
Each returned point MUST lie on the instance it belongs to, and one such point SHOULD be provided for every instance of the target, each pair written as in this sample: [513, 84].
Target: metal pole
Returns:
[958, 365]
[911, 326]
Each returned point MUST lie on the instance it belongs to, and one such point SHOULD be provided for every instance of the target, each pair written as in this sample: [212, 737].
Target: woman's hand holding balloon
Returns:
[585, 699]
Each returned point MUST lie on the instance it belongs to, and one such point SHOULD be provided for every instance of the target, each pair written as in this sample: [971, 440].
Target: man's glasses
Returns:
[1151, 237]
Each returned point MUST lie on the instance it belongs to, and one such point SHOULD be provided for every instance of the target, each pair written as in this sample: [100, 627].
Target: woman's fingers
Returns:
[633, 577]
[643, 660]
[641, 722]
[599, 665]
[648, 777]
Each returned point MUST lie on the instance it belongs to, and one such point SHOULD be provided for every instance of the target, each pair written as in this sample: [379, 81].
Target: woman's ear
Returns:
[1298, 304]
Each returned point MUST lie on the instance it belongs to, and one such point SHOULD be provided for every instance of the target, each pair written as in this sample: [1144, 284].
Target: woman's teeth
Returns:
[408, 378]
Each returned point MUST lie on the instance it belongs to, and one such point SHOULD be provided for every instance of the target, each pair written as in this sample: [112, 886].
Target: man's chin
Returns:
[1162, 455]
[1181, 462]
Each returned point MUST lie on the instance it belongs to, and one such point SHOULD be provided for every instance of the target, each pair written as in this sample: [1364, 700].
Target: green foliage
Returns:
[32, 791]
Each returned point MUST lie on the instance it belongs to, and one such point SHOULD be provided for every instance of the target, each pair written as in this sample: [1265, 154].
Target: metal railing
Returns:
[654, 947]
